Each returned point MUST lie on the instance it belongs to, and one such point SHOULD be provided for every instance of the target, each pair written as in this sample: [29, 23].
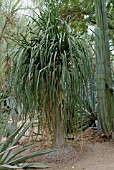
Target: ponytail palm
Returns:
[52, 70]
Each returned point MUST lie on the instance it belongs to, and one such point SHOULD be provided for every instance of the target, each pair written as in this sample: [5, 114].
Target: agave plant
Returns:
[9, 151]
[51, 70]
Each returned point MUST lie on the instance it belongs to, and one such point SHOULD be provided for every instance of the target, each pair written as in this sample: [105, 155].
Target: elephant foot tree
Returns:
[51, 71]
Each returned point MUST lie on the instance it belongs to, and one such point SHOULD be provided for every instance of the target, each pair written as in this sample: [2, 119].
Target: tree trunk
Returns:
[59, 134]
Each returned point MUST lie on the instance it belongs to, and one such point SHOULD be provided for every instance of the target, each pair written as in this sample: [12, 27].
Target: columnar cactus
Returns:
[103, 69]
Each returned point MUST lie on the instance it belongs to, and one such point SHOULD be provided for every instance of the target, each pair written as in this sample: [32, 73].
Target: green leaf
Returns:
[25, 128]
[16, 152]
[28, 156]
[10, 139]
[34, 165]
[2, 167]
[15, 5]
[16, 140]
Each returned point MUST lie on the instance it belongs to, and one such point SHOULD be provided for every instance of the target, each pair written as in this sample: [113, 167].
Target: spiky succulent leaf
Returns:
[28, 156]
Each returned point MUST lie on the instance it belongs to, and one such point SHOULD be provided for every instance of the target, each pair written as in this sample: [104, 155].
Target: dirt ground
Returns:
[94, 153]
[97, 156]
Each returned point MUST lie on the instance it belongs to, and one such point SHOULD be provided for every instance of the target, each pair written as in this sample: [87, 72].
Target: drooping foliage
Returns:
[52, 69]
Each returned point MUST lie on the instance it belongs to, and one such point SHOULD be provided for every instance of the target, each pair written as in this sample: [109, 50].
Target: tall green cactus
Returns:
[103, 69]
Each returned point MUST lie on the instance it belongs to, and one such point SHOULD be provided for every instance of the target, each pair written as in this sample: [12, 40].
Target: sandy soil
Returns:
[97, 156]
[94, 153]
